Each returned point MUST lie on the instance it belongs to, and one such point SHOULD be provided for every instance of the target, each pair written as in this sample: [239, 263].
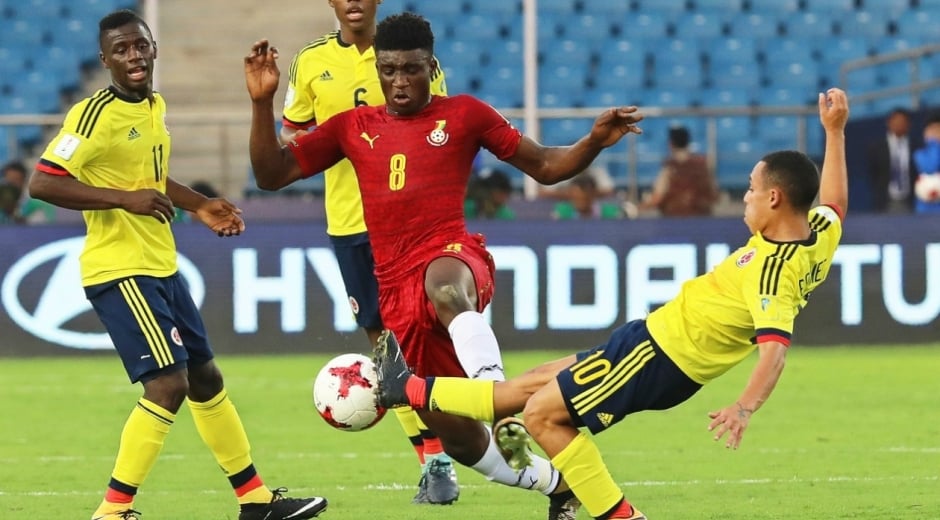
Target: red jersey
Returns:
[412, 170]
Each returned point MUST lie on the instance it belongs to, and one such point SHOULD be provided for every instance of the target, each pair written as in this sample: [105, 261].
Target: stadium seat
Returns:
[63, 65]
[782, 52]
[778, 132]
[453, 10]
[891, 44]
[39, 90]
[734, 75]
[807, 25]
[473, 27]
[648, 26]
[862, 79]
[837, 6]
[460, 80]
[620, 78]
[895, 73]
[833, 52]
[507, 53]
[681, 51]
[617, 12]
[559, 132]
[502, 87]
[700, 25]
[796, 74]
[22, 32]
[565, 52]
[588, 27]
[919, 25]
[752, 25]
[728, 97]
[886, 9]
[678, 76]
[862, 23]
[669, 98]
[622, 52]
[783, 96]
[659, 8]
[776, 8]
[718, 6]
[502, 10]
[731, 50]
[460, 53]
[565, 83]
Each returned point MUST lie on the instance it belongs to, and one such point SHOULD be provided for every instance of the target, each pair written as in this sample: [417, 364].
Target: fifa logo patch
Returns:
[438, 137]
[746, 258]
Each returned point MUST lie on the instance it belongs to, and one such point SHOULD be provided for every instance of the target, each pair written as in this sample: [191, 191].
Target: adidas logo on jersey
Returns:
[133, 134]
[605, 418]
[326, 76]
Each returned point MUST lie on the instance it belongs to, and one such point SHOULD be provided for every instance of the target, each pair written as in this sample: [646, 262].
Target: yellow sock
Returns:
[141, 442]
[221, 428]
[410, 423]
[587, 475]
[471, 398]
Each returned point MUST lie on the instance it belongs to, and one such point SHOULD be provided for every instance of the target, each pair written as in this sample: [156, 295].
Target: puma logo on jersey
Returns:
[326, 76]
[133, 134]
[368, 139]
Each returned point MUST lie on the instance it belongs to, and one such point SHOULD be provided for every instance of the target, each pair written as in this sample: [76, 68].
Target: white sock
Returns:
[476, 346]
[540, 476]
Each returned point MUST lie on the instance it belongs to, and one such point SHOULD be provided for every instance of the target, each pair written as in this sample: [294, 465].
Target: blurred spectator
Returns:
[686, 186]
[9, 202]
[583, 201]
[488, 196]
[892, 171]
[29, 210]
[927, 160]
[603, 182]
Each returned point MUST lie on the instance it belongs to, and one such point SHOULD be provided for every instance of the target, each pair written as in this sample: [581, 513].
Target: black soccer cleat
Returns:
[391, 371]
[283, 508]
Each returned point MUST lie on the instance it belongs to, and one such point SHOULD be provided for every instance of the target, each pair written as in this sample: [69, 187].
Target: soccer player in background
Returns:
[749, 301]
[110, 161]
[331, 74]
[413, 158]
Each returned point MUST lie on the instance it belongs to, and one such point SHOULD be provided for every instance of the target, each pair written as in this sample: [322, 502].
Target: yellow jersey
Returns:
[110, 141]
[326, 77]
[754, 295]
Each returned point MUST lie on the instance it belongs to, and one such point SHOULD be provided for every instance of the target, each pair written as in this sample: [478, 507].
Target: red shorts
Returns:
[407, 311]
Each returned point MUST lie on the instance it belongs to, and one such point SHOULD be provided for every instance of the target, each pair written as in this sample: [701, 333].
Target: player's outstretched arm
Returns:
[274, 167]
[734, 419]
[68, 192]
[833, 183]
[218, 214]
[552, 164]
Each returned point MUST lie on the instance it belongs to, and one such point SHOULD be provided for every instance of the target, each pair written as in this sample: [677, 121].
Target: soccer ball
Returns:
[343, 393]
[927, 187]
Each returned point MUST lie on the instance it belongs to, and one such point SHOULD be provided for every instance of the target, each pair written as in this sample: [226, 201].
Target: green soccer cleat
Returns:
[514, 442]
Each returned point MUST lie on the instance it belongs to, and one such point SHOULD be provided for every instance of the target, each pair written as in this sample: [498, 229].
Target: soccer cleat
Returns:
[391, 370]
[563, 506]
[127, 514]
[283, 508]
[627, 514]
[421, 497]
[441, 481]
[514, 442]
[635, 515]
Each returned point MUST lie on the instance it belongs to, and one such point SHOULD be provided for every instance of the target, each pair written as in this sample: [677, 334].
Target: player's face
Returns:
[758, 200]
[355, 15]
[129, 52]
[406, 79]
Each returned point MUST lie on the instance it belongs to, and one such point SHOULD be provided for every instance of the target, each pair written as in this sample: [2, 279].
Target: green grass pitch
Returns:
[851, 432]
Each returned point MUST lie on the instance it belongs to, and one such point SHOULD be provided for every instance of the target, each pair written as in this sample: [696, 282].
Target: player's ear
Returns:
[154, 49]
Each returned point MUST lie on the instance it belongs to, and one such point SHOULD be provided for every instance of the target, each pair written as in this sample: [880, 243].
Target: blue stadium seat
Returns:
[507, 53]
[718, 6]
[648, 25]
[80, 36]
[22, 32]
[700, 25]
[625, 52]
[558, 6]
[890, 44]
[746, 74]
[782, 52]
[731, 50]
[803, 75]
[473, 27]
[808, 25]
[62, 63]
[863, 79]
[673, 51]
[778, 132]
[459, 80]
[452, 9]
[620, 78]
[563, 84]
[776, 8]
[678, 76]
[502, 87]
[752, 25]
[728, 97]
[39, 90]
[838, 6]
[733, 130]
[895, 73]
[496, 9]
[886, 9]
[783, 96]
[589, 27]
[833, 52]
[920, 24]
[670, 98]
[617, 12]
[566, 52]
[559, 132]
[862, 23]
[667, 10]
[460, 53]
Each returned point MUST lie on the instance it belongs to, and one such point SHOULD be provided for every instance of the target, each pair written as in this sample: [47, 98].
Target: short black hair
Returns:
[794, 173]
[120, 18]
[899, 111]
[15, 165]
[404, 32]
[679, 136]
[933, 118]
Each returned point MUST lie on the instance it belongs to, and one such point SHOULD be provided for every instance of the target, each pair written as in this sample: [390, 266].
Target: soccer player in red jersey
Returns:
[413, 158]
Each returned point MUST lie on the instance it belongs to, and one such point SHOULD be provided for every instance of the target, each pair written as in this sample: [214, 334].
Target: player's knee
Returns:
[167, 390]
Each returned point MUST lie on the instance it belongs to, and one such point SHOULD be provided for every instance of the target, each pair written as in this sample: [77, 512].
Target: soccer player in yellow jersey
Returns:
[110, 160]
[332, 74]
[749, 301]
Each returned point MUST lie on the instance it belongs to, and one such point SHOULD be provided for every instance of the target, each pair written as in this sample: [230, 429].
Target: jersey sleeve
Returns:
[321, 148]
[497, 133]
[826, 221]
[299, 100]
[771, 293]
[72, 148]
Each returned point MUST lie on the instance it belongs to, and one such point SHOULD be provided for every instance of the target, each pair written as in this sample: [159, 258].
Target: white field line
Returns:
[398, 486]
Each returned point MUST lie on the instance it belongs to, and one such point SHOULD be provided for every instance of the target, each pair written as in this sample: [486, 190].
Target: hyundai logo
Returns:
[62, 297]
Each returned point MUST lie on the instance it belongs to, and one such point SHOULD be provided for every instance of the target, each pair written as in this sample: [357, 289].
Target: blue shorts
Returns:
[153, 323]
[354, 254]
[627, 374]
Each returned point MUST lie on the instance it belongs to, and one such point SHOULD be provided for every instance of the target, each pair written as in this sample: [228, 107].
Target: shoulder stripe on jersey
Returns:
[773, 266]
[819, 223]
[319, 42]
[86, 123]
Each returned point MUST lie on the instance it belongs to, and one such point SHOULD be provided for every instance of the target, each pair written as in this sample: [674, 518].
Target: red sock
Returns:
[416, 390]
[433, 446]
[623, 510]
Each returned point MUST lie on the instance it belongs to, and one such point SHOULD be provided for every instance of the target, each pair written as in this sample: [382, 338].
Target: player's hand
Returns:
[261, 73]
[615, 123]
[833, 109]
[732, 420]
[221, 216]
[149, 202]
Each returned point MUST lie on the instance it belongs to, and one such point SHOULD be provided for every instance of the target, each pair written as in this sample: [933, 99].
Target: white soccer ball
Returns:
[343, 393]
[927, 187]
